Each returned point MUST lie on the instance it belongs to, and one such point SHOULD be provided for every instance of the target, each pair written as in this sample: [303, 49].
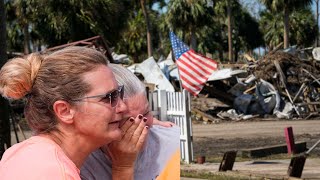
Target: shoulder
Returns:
[33, 149]
[35, 154]
[96, 166]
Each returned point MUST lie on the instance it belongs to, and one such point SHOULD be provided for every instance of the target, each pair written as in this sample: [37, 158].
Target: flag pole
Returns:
[174, 60]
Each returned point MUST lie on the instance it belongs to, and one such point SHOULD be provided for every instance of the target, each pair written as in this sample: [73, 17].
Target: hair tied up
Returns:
[18, 75]
[35, 60]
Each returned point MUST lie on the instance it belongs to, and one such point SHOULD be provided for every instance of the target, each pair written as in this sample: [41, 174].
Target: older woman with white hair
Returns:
[160, 156]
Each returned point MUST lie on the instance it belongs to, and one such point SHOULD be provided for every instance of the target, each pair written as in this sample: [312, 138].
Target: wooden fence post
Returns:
[290, 140]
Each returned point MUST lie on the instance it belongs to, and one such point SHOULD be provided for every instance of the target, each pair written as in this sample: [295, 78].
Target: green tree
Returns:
[56, 22]
[246, 34]
[188, 16]
[272, 28]
[302, 21]
[107, 18]
[146, 8]
[133, 41]
[303, 27]
[18, 25]
[285, 7]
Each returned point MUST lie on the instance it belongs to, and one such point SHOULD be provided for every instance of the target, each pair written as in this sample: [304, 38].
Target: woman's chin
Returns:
[114, 134]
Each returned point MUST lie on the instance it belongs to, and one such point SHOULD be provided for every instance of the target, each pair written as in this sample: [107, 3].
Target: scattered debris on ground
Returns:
[280, 85]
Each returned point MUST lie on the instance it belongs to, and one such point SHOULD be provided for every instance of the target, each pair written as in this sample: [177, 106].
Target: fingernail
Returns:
[145, 119]
[140, 116]
[131, 119]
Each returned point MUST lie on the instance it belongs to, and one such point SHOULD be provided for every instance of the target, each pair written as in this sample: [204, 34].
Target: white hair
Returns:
[132, 85]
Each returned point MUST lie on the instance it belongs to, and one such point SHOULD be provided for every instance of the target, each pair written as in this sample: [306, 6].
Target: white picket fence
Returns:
[175, 107]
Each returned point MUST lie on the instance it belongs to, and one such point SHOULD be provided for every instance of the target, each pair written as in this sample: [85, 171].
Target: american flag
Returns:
[194, 68]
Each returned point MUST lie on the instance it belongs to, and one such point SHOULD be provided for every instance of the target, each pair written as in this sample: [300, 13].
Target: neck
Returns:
[76, 148]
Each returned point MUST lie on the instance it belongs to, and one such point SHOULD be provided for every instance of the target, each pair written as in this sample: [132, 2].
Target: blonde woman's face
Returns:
[96, 118]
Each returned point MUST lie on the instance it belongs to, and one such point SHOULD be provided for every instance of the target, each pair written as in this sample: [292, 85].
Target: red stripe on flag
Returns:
[199, 63]
[190, 90]
[187, 71]
[196, 64]
[191, 67]
[204, 62]
[209, 62]
[186, 80]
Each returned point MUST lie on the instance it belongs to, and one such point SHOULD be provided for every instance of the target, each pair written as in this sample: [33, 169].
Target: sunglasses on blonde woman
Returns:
[109, 98]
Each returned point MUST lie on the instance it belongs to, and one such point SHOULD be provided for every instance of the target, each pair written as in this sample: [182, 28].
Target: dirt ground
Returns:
[215, 139]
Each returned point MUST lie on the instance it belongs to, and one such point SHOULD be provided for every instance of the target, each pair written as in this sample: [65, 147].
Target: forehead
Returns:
[137, 104]
[101, 80]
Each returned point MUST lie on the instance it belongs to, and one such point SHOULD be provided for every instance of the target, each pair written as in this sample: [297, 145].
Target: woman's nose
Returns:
[121, 106]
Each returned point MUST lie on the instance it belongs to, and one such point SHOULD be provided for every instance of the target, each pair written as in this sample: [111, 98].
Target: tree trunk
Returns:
[220, 52]
[286, 28]
[236, 55]
[229, 32]
[5, 139]
[317, 19]
[26, 43]
[146, 16]
[193, 40]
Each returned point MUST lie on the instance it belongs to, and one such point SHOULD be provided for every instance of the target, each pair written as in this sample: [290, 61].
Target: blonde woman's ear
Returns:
[63, 111]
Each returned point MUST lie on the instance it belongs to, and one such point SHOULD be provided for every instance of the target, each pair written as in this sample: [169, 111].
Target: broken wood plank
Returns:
[283, 80]
[205, 117]
[269, 150]
[250, 89]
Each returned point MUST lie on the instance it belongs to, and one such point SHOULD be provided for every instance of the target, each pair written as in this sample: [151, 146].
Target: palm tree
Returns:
[302, 21]
[285, 7]
[146, 16]
[303, 27]
[187, 16]
[133, 41]
[5, 138]
[272, 28]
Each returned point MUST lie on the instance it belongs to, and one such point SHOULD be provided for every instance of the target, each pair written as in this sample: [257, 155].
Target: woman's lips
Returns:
[114, 122]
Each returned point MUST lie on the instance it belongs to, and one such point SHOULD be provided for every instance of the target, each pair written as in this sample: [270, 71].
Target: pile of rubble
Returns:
[280, 85]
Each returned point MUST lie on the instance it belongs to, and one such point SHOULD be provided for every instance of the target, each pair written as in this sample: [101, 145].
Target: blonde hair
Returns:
[44, 79]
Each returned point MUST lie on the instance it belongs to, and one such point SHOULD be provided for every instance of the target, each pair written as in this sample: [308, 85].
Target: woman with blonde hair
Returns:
[74, 105]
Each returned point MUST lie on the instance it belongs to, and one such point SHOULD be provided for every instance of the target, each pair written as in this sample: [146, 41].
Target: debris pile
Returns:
[279, 85]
